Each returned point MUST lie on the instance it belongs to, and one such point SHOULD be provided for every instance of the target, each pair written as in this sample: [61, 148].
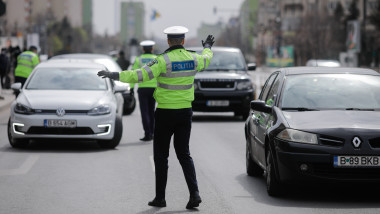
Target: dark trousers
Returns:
[147, 106]
[175, 122]
[20, 79]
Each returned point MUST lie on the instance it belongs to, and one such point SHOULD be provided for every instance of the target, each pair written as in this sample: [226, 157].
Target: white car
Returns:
[66, 101]
[111, 65]
[323, 63]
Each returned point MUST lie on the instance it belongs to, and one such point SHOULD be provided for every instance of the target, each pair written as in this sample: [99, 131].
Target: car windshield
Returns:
[331, 91]
[226, 61]
[66, 79]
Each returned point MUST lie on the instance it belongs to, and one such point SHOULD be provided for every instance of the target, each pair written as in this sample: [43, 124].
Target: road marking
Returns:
[23, 169]
[152, 162]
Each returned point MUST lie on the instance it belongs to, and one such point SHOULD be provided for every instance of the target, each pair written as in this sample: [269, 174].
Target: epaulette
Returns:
[191, 51]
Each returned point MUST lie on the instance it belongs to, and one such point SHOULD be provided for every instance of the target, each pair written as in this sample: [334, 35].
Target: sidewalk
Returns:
[6, 99]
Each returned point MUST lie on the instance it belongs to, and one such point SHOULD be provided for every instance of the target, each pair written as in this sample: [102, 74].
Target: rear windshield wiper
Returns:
[360, 109]
[301, 109]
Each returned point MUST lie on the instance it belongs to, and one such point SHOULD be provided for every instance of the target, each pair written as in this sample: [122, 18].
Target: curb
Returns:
[7, 101]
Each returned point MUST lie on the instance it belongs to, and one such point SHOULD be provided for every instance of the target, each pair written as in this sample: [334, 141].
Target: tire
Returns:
[273, 184]
[16, 143]
[253, 169]
[128, 108]
[111, 144]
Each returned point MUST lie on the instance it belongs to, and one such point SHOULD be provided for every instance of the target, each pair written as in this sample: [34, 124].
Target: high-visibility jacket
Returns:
[175, 70]
[139, 62]
[26, 62]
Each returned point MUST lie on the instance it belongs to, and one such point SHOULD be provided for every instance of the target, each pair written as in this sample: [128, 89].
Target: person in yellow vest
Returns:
[174, 70]
[145, 91]
[26, 62]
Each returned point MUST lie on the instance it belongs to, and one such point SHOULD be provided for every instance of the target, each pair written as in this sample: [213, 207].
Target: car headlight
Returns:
[244, 85]
[196, 86]
[22, 109]
[298, 136]
[100, 110]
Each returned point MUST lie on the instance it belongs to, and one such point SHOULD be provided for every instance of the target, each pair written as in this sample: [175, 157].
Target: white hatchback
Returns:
[67, 101]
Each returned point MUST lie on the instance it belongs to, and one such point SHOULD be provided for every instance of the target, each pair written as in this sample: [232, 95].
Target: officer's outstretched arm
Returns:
[147, 72]
[204, 59]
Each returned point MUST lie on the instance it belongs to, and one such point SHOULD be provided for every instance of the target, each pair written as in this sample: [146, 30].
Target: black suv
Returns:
[225, 84]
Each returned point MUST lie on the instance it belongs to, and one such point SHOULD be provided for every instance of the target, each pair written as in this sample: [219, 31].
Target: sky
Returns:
[189, 13]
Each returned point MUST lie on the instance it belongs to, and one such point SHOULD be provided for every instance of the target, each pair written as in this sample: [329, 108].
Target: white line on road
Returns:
[23, 169]
[152, 162]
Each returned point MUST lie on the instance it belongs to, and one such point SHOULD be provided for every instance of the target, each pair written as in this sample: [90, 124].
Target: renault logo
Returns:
[60, 112]
[356, 142]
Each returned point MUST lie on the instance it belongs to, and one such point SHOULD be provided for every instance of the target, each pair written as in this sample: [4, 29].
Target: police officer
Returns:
[175, 70]
[145, 91]
[26, 62]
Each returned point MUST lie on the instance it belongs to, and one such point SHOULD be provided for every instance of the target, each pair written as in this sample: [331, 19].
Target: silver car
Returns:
[66, 101]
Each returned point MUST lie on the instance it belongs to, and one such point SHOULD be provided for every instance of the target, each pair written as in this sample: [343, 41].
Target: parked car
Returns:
[323, 63]
[225, 84]
[67, 101]
[111, 65]
[315, 124]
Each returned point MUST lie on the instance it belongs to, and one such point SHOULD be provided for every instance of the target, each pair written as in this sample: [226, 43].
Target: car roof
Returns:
[81, 56]
[327, 70]
[217, 48]
[64, 64]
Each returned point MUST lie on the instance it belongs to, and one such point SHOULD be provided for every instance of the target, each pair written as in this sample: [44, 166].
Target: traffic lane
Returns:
[221, 155]
[74, 177]
[78, 177]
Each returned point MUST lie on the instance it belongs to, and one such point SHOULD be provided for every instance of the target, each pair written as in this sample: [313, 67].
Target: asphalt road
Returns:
[79, 177]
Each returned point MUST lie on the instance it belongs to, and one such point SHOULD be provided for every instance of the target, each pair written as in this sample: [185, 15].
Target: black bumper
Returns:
[320, 161]
[239, 101]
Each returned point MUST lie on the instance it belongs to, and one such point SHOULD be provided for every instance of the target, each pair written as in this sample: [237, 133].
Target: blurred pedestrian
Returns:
[26, 62]
[122, 61]
[145, 91]
[4, 66]
[175, 70]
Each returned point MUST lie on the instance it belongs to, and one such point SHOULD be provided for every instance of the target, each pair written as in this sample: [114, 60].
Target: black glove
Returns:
[209, 42]
[111, 75]
[132, 91]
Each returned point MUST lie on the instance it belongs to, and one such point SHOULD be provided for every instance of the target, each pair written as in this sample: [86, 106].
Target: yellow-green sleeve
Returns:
[35, 60]
[136, 65]
[204, 59]
[145, 73]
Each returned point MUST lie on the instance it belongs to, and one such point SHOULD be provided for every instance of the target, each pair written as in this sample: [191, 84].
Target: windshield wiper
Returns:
[360, 109]
[301, 109]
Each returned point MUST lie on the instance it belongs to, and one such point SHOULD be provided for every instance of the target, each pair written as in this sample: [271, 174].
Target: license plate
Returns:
[218, 103]
[356, 161]
[60, 123]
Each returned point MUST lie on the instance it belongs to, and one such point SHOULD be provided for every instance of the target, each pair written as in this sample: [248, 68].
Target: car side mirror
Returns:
[121, 87]
[260, 105]
[16, 86]
[251, 66]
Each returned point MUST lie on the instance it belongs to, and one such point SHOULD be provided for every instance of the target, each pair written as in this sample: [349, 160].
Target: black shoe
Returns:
[157, 203]
[146, 138]
[194, 201]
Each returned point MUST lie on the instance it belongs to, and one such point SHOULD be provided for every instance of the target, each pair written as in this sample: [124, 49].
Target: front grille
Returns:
[217, 84]
[329, 141]
[328, 171]
[60, 131]
[375, 142]
[54, 111]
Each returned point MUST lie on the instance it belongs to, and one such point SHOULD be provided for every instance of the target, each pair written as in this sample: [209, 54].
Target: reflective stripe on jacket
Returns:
[140, 61]
[175, 71]
[26, 62]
